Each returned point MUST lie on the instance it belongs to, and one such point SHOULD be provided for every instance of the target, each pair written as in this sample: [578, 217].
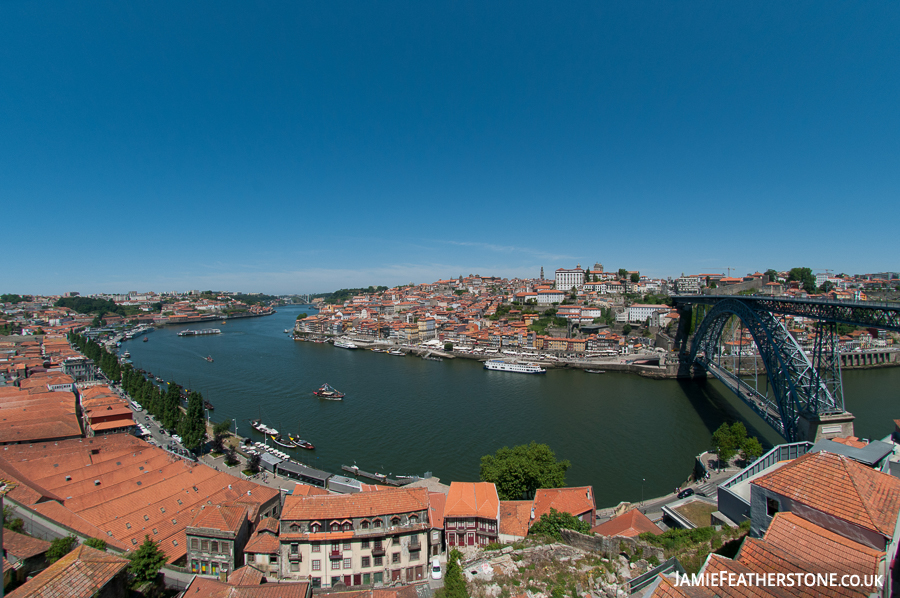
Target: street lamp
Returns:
[642, 491]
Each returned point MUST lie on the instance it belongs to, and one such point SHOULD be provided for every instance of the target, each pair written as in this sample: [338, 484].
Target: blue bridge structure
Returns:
[803, 396]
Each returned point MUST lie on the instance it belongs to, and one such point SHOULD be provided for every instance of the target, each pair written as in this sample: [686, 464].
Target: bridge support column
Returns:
[823, 427]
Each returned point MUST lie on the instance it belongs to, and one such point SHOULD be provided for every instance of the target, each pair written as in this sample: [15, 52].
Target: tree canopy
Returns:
[727, 441]
[192, 427]
[519, 471]
[550, 523]
[146, 561]
[454, 583]
[60, 547]
[805, 277]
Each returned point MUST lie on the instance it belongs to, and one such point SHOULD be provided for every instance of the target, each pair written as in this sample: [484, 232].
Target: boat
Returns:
[432, 358]
[595, 371]
[126, 354]
[145, 339]
[498, 365]
[287, 330]
[329, 392]
[396, 352]
[158, 379]
[301, 443]
[257, 425]
[208, 405]
[209, 358]
[280, 441]
[344, 344]
[201, 332]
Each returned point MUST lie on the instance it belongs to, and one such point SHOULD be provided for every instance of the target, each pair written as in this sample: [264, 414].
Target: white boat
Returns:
[498, 365]
[344, 344]
[396, 352]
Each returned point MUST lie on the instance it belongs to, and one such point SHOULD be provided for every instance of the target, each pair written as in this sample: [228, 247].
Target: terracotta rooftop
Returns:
[78, 574]
[630, 524]
[201, 587]
[515, 517]
[841, 487]
[575, 501]
[21, 546]
[361, 504]
[472, 499]
[437, 501]
[224, 518]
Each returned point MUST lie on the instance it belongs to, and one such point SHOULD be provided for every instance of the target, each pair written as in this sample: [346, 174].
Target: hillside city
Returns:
[115, 476]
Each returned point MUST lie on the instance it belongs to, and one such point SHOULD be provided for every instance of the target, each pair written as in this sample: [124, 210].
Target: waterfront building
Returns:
[472, 514]
[367, 538]
[216, 539]
[638, 313]
[577, 501]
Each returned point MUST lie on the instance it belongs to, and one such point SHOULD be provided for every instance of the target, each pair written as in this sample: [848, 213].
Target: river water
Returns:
[626, 435]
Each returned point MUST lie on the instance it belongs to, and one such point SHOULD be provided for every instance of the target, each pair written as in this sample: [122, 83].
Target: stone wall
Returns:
[610, 546]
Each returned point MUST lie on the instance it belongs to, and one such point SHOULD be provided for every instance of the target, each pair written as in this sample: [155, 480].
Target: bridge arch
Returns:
[798, 390]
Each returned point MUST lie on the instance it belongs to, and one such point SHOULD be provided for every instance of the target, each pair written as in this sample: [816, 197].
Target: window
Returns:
[336, 564]
[214, 546]
[315, 528]
[414, 555]
[347, 564]
[273, 559]
[379, 577]
[365, 543]
[317, 582]
[296, 528]
[294, 548]
[347, 546]
[194, 566]
[395, 521]
[204, 545]
[214, 568]
[413, 519]
[347, 526]
[317, 565]
[365, 561]
[377, 523]
[295, 567]
[379, 561]
[195, 544]
[364, 525]
[367, 579]
[772, 506]
[335, 526]
[317, 547]
[335, 580]
[395, 558]
[435, 536]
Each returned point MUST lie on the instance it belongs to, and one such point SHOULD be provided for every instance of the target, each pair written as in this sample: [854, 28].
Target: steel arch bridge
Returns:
[798, 385]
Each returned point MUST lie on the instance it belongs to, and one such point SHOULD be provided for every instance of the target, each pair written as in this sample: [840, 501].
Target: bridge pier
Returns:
[824, 427]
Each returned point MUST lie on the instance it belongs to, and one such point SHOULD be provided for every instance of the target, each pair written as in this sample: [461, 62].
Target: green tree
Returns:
[192, 428]
[728, 440]
[626, 329]
[772, 274]
[519, 471]
[253, 463]
[623, 273]
[220, 431]
[231, 458]
[635, 277]
[550, 523]
[454, 583]
[448, 346]
[751, 449]
[171, 414]
[11, 522]
[60, 547]
[805, 277]
[146, 561]
[95, 543]
[302, 316]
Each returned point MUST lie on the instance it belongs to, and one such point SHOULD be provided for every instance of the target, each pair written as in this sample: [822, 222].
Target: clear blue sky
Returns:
[305, 146]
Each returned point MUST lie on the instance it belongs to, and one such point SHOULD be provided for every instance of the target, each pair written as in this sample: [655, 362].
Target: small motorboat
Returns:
[329, 392]
[209, 358]
[595, 371]
[396, 352]
[145, 339]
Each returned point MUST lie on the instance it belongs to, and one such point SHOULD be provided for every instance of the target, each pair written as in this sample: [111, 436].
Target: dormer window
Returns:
[364, 525]
[413, 519]
[335, 526]
[296, 528]
[315, 527]
[395, 521]
[347, 526]
[377, 523]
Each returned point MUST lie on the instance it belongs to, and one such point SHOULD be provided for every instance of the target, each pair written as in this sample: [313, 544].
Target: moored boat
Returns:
[595, 371]
[498, 365]
[208, 405]
[299, 443]
[281, 441]
[344, 344]
[257, 425]
[145, 339]
[329, 392]
[396, 352]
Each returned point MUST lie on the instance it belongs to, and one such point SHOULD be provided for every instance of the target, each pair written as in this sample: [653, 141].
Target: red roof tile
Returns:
[630, 524]
[575, 501]
[515, 517]
[361, 504]
[472, 499]
[78, 574]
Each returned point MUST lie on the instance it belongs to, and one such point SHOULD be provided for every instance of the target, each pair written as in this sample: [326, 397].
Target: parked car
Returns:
[435, 568]
[686, 492]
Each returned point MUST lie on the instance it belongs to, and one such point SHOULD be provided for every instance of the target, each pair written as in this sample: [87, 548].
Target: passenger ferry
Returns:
[201, 332]
[498, 365]
[344, 344]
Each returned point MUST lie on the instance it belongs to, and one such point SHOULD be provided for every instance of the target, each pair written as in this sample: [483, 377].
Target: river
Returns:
[626, 435]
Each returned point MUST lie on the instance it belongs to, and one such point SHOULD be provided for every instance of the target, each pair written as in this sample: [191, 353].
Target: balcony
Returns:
[335, 554]
[294, 557]
[414, 544]
[378, 550]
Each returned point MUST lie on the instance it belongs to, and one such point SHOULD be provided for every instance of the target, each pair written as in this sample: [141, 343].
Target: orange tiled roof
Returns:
[202, 587]
[810, 543]
[22, 546]
[515, 517]
[224, 518]
[472, 499]
[80, 573]
[841, 487]
[361, 504]
[630, 524]
[667, 589]
[576, 501]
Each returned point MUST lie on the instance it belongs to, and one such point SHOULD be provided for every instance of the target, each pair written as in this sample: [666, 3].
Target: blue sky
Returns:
[300, 147]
